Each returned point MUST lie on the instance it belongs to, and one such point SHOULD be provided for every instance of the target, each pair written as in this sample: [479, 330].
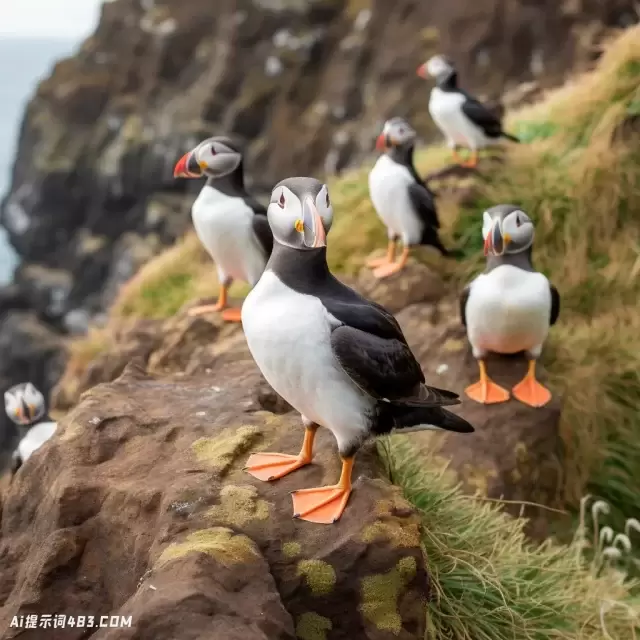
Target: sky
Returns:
[65, 19]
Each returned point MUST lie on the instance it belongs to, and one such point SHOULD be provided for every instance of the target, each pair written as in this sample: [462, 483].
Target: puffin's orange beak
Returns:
[421, 71]
[381, 142]
[488, 244]
[183, 168]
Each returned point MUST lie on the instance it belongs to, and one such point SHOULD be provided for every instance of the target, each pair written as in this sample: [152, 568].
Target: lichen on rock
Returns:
[221, 452]
[220, 543]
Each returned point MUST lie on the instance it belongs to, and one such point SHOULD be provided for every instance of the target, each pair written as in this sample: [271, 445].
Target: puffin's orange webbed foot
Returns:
[271, 466]
[486, 391]
[232, 315]
[529, 391]
[388, 269]
[388, 259]
[324, 505]
[472, 162]
[204, 309]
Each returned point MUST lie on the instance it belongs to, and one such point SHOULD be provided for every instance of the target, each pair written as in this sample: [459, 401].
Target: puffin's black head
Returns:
[24, 404]
[439, 66]
[300, 213]
[397, 132]
[506, 229]
[214, 157]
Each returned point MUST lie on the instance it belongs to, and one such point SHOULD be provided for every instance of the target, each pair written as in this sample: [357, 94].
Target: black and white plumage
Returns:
[26, 408]
[403, 201]
[510, 307]
[231, 224]
[337, 358]
[464, 120]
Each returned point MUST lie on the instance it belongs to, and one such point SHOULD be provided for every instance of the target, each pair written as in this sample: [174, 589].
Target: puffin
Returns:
[340, 360]
[26, 408]
[464, 120]
[510, 307]
[231, 224]
[402, 200]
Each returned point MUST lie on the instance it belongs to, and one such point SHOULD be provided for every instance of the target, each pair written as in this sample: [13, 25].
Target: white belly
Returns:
[388, 188]
[35, 438]
[508, 311]
[224, 226]
[288, 334]
[445, 108]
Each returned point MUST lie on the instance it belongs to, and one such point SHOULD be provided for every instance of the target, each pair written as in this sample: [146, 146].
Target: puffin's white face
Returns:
[213, 157]
[506, 233]
[24, 404]
[435, 66]
[300, 213]
[397, 132]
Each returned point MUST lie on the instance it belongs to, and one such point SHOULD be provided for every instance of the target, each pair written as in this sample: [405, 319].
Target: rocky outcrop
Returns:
[139, 507]
[515, 454]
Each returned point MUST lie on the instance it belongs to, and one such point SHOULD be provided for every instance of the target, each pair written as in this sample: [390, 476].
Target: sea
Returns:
[23, 62]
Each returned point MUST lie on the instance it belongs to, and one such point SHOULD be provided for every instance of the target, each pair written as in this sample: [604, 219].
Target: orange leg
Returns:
[211, 308]
[485, 390]
[389, 258]
[271, 466]
[473, 161]
[394, 267]
[324, 505]
[530, 391]
[232, 315]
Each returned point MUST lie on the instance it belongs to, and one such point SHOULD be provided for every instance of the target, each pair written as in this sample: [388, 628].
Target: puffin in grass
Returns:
[402, 200]
[464, 120]
[231, 225]
[340, 360]
[509, 308]
[26, 408]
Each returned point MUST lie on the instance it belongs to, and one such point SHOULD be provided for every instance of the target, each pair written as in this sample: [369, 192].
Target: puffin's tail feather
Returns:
[510, 136]
[427, 397]
[424, 418]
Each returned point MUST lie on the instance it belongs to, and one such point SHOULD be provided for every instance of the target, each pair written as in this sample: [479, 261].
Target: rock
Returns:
[516, 453]
[415, 283]
[169, 530]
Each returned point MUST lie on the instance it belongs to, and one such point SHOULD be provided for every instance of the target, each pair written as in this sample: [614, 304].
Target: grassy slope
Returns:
[579, 178]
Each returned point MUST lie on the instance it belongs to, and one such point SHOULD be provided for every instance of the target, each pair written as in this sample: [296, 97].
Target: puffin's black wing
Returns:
[373, 352]
[263, 232]
[422, 201]
[482, 117]
[464, 296]
[555, 305]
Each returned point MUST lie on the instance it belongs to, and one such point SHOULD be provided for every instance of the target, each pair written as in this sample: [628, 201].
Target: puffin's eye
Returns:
[518, 221]
[328, 201]
[281, 201]
[213, 150]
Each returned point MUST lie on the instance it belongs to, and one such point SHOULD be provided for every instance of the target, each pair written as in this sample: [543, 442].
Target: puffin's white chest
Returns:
[288, 334]
[35, 438]
[224, 225]
[508, 310]
[388, 188]
[445, 108]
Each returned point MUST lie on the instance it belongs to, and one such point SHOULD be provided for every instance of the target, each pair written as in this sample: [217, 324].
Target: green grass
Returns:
[490, 583]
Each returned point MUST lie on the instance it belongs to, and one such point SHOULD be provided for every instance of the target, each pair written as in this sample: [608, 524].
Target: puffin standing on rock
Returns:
[510, 307]
[463, 120]
[26, 408]
[337, 358]
[402, 200]
[231, 225]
